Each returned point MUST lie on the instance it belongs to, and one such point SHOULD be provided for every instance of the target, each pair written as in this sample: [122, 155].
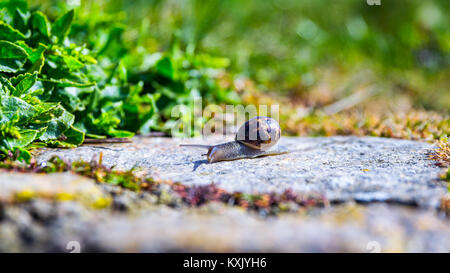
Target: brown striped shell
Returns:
[259, 133]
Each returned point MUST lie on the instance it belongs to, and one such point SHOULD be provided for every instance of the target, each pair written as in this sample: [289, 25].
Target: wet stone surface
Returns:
[365, 169]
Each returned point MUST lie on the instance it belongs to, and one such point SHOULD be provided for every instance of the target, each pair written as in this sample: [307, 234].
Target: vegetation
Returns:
[71, 70]
[442, 157]
[294, 47]
[61, 82]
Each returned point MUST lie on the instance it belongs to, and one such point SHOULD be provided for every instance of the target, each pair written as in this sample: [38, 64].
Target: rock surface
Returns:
[364, 169]
[55, 186]
[44, 226]
[61, 212]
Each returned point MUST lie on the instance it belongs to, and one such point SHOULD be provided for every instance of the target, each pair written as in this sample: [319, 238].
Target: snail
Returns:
[255, 138]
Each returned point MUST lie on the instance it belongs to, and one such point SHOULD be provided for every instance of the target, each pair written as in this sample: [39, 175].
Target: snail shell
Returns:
[260, 133]
[255, 138]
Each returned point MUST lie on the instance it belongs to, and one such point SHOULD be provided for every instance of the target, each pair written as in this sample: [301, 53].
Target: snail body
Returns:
[255, 138]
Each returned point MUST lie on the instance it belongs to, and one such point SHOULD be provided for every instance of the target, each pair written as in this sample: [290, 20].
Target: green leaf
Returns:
[6, 86]
[12, 57]
[74, 136]
[148, 120]
[10, 65]
[61, 26]
[25, 138]
[67, 83]
[59, 143]
[165, 68]
[8, 33]
[41, 23]
[20, 20]
[24, 83]
[44, 107]
[12, 105]
[69, 98]
[72, 63]
[94, 136]
[114, 48]
[13, 5]
[120, 133]
[33, 54]
[40, 132]
[37, 66]
[6, 17]
[58, 121]
[23, 156]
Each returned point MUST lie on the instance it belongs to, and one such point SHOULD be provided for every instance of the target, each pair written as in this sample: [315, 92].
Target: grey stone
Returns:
[364, 169]
[217, 228]
[55, 186]
[348, 228]
[60, 210]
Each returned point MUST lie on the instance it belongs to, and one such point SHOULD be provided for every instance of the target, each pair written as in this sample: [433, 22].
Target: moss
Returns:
[442, 157]
[24, 196]
[426, 126]
[442, 153]
[166, 192]
[64, 196]
[446, 176]
[445, 204]
[380, 116]
[101, 203]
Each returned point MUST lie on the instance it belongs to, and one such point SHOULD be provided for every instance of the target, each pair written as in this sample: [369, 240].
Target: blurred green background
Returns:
[290, 47]
[82, 69]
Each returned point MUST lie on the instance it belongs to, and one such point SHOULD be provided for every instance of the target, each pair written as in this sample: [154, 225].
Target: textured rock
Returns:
[57, 186]
[33, 218]
[342, 168]
[346, 228]
[354, 229]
